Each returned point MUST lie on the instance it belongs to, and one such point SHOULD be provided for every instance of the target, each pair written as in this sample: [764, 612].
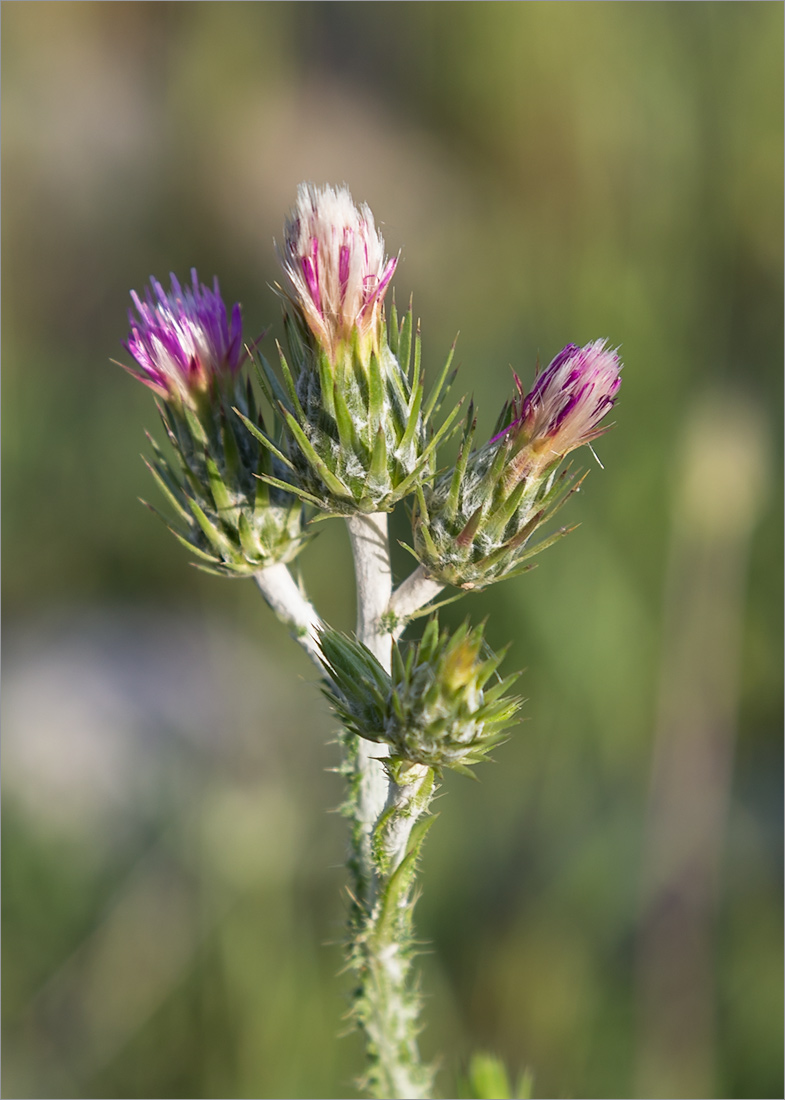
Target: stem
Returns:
[384, 857]
[412, 594]
[387, 1006]
[371, 550]
[370, 547]
[291, 607]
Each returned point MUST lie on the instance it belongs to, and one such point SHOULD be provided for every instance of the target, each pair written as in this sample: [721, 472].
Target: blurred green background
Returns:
[605, 906]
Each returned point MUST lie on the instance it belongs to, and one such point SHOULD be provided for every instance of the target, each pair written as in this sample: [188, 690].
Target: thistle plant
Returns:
[349, 431]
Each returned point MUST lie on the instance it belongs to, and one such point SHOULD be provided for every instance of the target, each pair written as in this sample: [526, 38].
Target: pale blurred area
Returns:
[605, 906]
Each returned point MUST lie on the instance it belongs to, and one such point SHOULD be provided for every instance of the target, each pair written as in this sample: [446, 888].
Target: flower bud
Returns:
[564, 408]
[190, 351]
[435, 709]
[474, 525]
[352, 411]
[334, 257]
[184, 342]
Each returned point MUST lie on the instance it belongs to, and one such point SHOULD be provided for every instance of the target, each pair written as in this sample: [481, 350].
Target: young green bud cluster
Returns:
[474, 525]
[190, 354]
[434, 709]
[351, 404]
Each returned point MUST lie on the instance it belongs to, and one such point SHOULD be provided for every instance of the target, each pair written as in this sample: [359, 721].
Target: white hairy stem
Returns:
[415, 592]
[291, 607]
[371, 551]
[407, 802]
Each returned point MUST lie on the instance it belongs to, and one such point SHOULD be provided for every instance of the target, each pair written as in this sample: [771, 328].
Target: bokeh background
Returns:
[605, 906]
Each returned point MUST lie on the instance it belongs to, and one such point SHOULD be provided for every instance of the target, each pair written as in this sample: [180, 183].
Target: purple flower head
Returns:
[564, 408]
[184, 342]
[335, 260]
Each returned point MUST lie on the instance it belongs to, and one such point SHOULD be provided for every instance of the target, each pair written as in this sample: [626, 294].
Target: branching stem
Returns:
[371, 551]
[291, 607]
[415, 592]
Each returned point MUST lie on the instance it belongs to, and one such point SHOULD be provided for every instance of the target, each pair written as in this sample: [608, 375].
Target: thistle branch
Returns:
[412, 594]
[373, 573]
[386, 1004]
[292, 608]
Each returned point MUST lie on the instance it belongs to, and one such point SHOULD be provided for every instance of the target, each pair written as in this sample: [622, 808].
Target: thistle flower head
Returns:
[184, 342]
[475, 523]
[564, 408]
[334, 257]
[436, 707]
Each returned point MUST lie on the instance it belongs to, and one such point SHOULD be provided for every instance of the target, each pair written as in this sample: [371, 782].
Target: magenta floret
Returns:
[184, 341]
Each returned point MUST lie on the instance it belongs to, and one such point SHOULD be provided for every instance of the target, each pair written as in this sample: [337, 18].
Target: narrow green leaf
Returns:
[295, 490]
[226, 573]
[220, 494]
[540, 546]
[453, 497]
[262, 438]
[435, 440]
[422, 507]
[466, 537]
[230, 449]
[327, 383]
[411, 426]
[405, 341]
[417, 373]
[377, 473]
[261, 496]
[405, 546]
[438, 387]
[375, 395]
[490, 481]
[498, 520]
[269, 384]
[168, 492]
[291, 389]
[247, 541]
[347, 433]
[214, 535]
[317, 462]
[430, 607]
[202, 554]
[392, 327]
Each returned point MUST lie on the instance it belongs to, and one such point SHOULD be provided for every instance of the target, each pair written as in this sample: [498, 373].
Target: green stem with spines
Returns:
[387, 1002]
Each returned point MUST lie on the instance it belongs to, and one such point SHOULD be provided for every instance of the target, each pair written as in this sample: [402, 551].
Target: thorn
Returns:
[595, 456]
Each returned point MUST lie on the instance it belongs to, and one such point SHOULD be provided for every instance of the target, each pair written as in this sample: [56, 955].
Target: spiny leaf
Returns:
[453, 496]
[214, 535]
[347, 433]
[220, 494]
[411, 426]
[375, 394]
[230, 449]
[168, 492]
[327, 383]
[193, 549]
[290, 386]
[405, 340]
[317, 462]
[262, 438]
[247, 540]
[295, 490]
[392, 328]
[438, 387]
[498, 520]
[377, 474]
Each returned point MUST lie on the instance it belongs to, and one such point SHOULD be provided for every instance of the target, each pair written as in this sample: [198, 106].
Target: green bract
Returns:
[473, 526]
[357, 436]
[434, 709]
[233, 521]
